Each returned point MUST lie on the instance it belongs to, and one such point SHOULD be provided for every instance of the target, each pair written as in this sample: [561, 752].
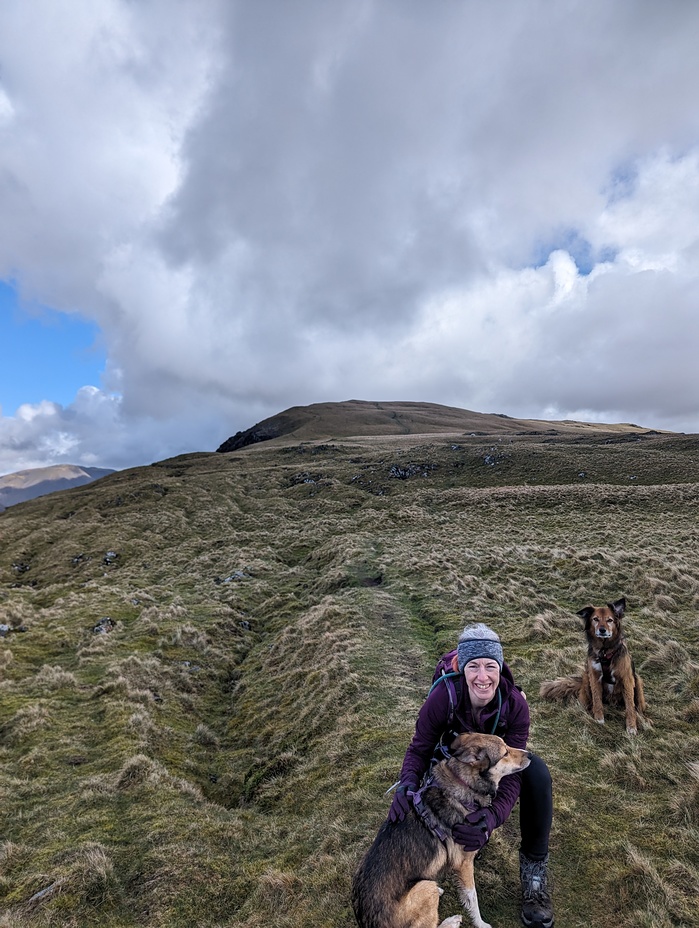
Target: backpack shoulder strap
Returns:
[449, 680]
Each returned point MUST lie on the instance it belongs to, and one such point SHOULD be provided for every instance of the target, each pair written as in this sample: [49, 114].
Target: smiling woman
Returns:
[46, 355]
[488, 701]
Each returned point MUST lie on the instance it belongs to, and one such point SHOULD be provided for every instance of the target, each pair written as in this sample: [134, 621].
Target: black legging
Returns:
[535, 809]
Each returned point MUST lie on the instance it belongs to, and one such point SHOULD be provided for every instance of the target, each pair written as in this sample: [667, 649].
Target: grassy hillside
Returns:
[214, 666]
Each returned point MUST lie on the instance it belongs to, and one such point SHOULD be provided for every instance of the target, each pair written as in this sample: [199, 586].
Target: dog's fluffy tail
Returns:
[562, 688]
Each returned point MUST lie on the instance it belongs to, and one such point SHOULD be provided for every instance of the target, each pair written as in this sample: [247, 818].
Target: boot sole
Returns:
[537, 924]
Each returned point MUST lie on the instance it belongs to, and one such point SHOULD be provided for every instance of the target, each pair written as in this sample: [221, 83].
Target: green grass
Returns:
[220, 756]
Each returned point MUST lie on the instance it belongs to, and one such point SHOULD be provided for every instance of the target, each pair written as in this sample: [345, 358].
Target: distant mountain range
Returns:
[360, 418]
[39, 481]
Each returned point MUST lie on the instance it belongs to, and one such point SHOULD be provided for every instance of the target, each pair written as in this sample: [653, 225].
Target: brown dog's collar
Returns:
[607, 655]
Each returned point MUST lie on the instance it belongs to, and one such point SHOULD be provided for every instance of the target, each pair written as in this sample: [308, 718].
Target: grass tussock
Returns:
[55, 678]
[93, 874]
[685, 803]
[218, 752]
[25, 722]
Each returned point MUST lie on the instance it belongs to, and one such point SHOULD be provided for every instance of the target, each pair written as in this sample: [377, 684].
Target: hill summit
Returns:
[361, 418]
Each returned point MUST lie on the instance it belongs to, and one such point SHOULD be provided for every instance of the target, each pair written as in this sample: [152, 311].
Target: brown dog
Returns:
[395, 885]
[609, 675]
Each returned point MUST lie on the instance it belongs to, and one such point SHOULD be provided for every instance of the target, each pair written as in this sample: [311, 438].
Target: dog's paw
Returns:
[599, 721]
[454, 921]
[631, 731]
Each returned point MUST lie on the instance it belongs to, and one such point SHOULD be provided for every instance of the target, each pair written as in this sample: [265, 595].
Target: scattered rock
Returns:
[45, 893]
[246, 625]
[104, 626]
[494, 458]
[305, 478]
[7, 629]
[109, 558]
[410, 470]
[193, 668]
[236, 575]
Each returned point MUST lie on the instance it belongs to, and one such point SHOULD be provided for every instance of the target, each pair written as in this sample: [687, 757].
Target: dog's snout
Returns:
[529, 755]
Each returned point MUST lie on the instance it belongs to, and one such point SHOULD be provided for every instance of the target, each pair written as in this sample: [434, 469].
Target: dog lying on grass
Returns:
[609, 675]
[396, 882]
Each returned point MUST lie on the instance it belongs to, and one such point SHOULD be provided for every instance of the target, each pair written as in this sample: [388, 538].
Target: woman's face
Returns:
[482, 678]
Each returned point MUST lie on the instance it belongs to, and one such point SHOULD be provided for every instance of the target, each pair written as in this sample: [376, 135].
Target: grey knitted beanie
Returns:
[479, 641]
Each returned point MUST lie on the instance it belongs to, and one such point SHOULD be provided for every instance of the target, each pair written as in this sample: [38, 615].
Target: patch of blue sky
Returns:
[622, 183]
[577, 246]
[45, 354]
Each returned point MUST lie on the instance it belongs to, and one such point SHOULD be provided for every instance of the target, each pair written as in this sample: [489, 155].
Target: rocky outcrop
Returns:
[262, 432]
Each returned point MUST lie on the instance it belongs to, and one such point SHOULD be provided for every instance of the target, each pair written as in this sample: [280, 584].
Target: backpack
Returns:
[447, 672]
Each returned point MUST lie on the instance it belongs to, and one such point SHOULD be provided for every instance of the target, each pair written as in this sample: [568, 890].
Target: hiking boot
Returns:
[537, 908]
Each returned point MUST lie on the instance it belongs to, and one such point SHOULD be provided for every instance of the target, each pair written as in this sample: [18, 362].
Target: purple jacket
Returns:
[512, 727]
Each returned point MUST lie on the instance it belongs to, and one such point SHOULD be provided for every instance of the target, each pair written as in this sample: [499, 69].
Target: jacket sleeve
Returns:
[430, 726]
[515, 735]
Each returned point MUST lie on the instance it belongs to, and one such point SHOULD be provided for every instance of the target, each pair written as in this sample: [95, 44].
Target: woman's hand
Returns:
[474, 832]
[401, 802]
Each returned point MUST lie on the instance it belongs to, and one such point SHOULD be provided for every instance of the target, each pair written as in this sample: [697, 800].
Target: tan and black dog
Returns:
[396, 882]
[609, 675]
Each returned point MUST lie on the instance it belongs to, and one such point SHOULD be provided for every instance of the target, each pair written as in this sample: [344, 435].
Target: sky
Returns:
[213, 210]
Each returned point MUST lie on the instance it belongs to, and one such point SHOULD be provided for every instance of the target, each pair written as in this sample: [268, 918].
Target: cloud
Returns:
[95, 431]
[263, 205]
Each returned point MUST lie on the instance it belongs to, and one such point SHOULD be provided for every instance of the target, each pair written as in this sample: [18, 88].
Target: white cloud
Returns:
[7, 110]
[491, 207]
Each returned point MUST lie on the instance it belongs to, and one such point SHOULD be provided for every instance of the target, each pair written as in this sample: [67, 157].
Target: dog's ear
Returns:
[469, 751]
[618, 608]
[586, 614]
[475, 757]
